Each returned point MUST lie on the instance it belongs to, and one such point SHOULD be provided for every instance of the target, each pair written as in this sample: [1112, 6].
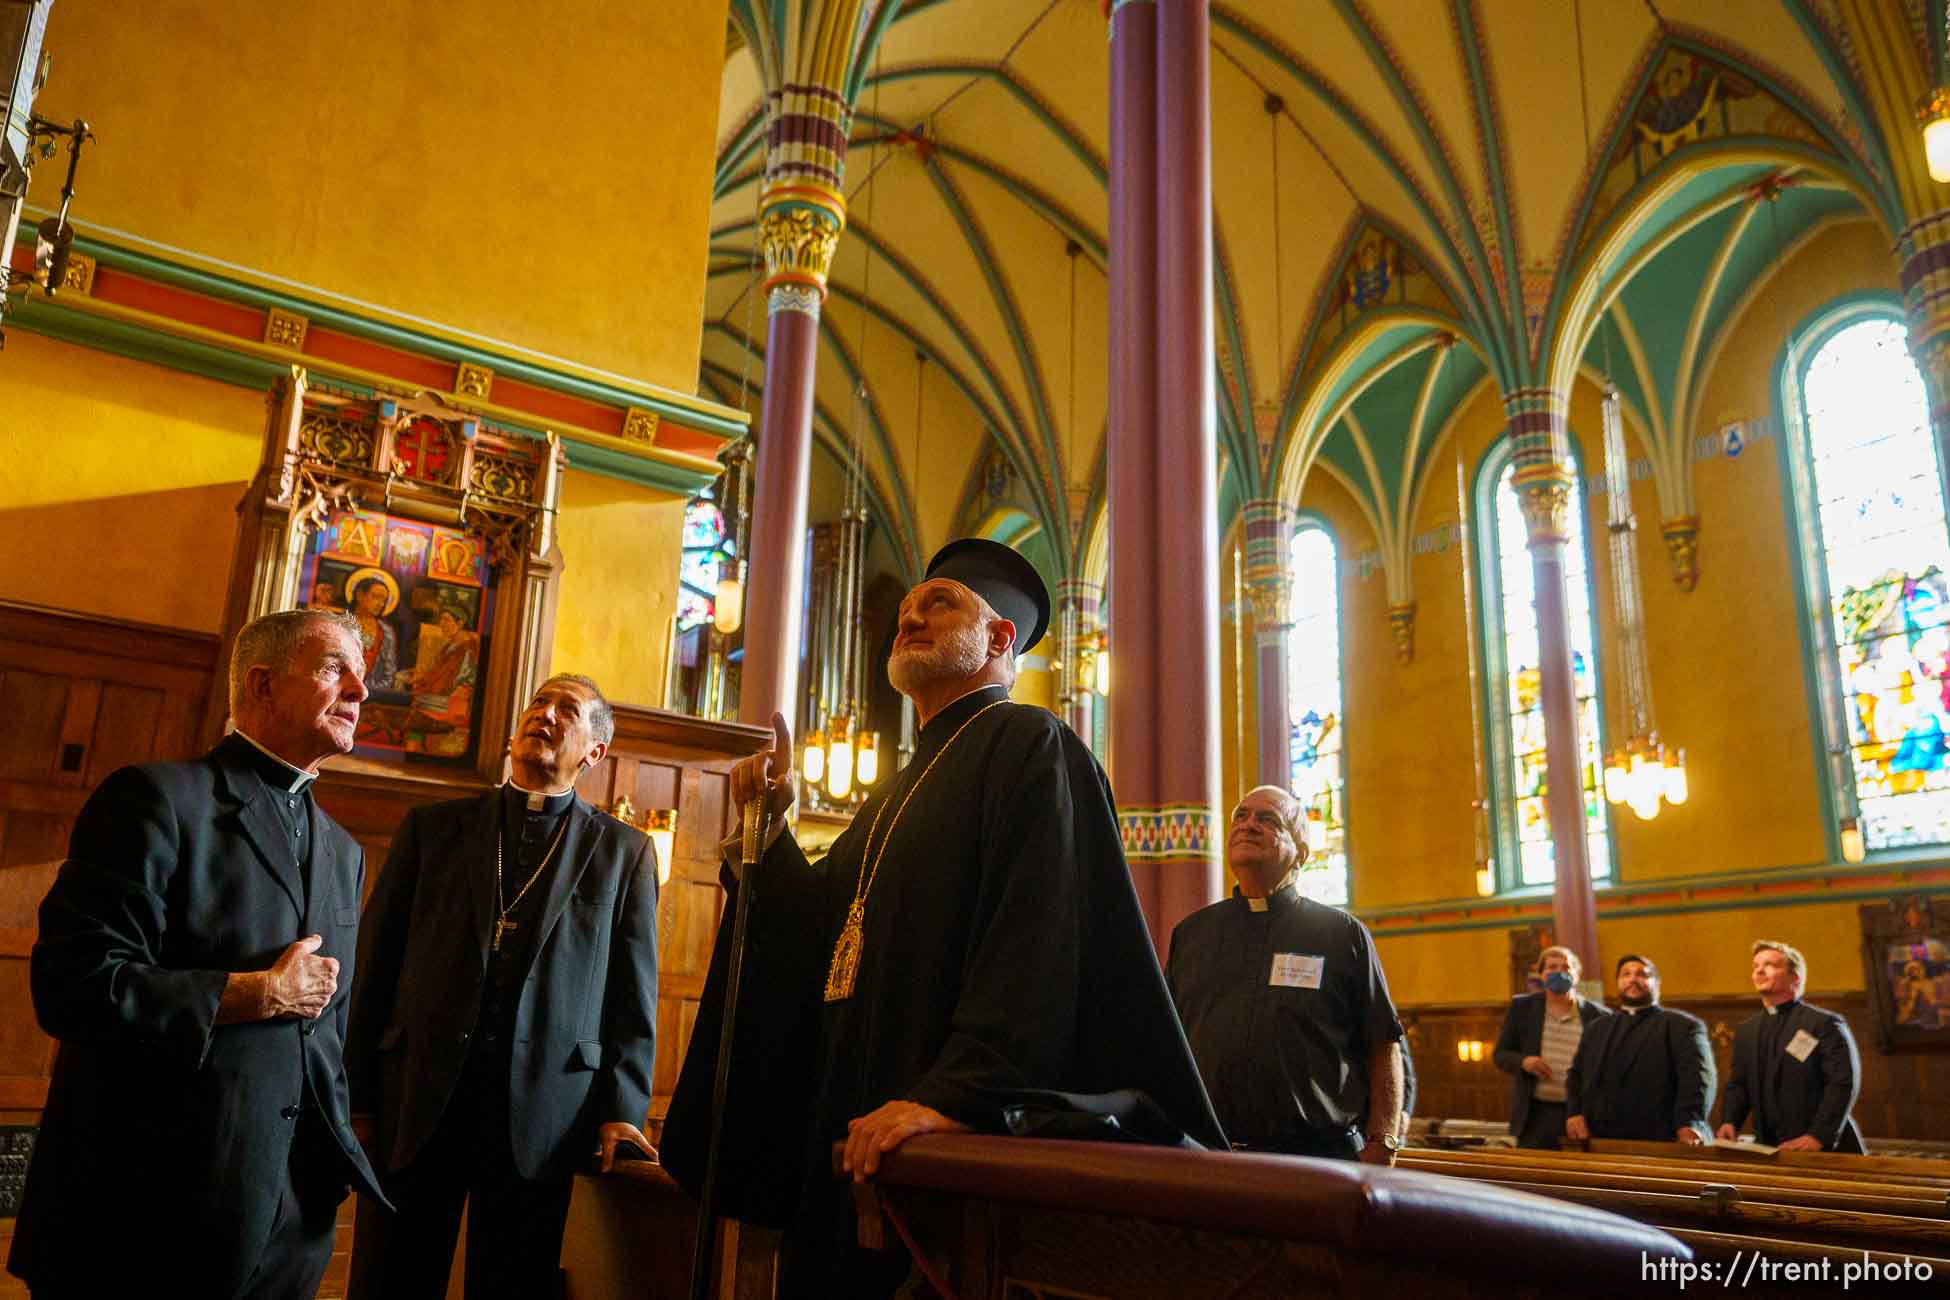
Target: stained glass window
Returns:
[1878, 508]
[706, 548]
[1511, 606]
[1314, 705]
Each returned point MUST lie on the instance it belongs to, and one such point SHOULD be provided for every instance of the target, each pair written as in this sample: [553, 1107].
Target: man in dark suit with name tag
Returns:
[504, 1019]
[1795, 1067]
[1645, 1074]
[192, 960]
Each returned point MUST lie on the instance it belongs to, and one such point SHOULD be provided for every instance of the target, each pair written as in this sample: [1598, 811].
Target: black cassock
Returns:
[1003, 950]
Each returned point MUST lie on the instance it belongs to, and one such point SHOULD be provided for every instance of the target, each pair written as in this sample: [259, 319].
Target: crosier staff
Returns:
[756, 829]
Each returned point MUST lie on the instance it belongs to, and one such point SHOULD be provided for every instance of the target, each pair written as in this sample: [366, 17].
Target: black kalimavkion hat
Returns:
[1002, 577]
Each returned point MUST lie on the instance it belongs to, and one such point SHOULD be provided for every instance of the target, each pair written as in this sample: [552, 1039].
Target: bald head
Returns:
[1267, 840]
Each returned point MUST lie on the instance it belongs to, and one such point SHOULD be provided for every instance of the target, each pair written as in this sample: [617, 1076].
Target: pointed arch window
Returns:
[1520, 826]
[1875, 554]
[1314, 705]
[707, 548]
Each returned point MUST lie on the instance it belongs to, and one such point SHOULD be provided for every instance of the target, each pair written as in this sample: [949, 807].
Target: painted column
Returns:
[1077, 604]
[1269, 585]
[1130, 452]
[801, 213]
[1925, 252]
[1545, 486]
[1185, 526]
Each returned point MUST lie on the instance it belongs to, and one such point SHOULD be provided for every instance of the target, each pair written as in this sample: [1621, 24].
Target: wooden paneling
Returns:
[1903, 1095]
[82, 696]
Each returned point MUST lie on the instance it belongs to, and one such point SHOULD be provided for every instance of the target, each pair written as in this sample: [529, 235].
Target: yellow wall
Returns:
[122, 483]
[1035, 686]
[540, 175]
[621, 545]
[1729, 684]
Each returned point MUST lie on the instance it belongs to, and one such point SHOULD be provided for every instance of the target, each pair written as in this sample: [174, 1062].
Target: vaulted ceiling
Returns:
[1412, 199]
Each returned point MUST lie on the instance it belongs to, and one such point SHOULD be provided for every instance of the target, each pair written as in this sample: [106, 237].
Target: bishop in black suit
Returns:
[192, 961]
[1795, 1067]
[504, 1019]
[1645, 1074]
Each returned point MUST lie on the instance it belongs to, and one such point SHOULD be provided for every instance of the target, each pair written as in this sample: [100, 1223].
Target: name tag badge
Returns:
[1293, 970]
[1801, 1044]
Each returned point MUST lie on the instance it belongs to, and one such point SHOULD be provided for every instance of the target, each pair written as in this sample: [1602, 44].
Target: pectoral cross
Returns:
[501, 926]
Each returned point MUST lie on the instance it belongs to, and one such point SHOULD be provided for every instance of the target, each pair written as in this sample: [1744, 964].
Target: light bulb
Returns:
[1936, 148]
[1676, 790]
[839, 768]
[1646, 804]
[1485, 882]
[1853, 847]
[728, 613]
[662, 840]
[1475, 1049]
[866, 765]
[815, 763]
[1462, 1049]
[1614, 782]
[1102, 673]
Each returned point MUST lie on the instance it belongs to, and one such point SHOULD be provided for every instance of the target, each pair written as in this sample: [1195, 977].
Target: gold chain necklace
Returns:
[501, 923]
[846, 952]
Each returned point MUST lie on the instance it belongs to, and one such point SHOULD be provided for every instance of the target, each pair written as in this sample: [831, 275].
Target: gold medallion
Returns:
[846, 955]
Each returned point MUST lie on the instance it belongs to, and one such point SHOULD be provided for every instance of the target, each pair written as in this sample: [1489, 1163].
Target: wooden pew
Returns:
[1017, 1218]
[1729, 1204]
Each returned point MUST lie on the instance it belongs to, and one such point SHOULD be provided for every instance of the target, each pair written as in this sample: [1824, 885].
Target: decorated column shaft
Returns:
[1269, 586]
[1163, 457]
[1546, 488]
[801, 213]
[1925, 252]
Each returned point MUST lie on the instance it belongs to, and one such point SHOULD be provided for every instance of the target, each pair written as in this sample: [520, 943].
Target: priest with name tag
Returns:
[972, 938]
[1796, 1070]
[1285, 1004]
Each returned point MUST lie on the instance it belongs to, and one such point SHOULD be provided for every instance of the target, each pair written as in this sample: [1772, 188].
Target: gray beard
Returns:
[953, 659]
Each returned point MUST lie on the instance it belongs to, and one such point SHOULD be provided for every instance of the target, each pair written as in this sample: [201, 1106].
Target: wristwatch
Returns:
[1388, 1140]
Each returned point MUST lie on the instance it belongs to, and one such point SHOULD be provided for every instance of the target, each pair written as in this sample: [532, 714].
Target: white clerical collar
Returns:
[538, 799]
[1632, 1011]
[299, 777]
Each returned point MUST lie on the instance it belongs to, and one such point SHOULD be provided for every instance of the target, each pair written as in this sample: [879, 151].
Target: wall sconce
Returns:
[660, 824]
[728, 610]
[1469, 1049]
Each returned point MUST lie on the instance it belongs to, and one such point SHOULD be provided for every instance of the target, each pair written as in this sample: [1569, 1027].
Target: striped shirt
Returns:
[1561, 1037]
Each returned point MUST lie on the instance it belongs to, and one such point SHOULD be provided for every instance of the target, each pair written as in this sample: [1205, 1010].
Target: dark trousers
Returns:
[514, 1224]
[1543, 1127]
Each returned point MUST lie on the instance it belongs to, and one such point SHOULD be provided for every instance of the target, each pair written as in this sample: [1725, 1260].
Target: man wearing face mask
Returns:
[503, 1021]
[1541, 1033]
[1646, 1075]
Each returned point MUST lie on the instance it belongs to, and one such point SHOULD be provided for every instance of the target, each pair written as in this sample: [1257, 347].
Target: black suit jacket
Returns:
[585, 1027]
[1788, 1098]
[1646, 1085]
[166, 1137]
[1523, 1035]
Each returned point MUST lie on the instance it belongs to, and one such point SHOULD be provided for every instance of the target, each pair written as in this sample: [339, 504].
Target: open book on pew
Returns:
[1744, 1147]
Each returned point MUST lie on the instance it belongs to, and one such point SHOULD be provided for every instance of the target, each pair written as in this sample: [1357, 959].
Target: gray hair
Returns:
[602, 718]
[273, 642]
[1292, 812]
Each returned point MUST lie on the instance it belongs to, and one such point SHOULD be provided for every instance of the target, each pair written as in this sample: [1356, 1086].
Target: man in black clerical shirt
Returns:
[191, 960]
[1285, 1004]
[973, 934]
[1795, 1067]
[504, 1019]
[1645, 1075]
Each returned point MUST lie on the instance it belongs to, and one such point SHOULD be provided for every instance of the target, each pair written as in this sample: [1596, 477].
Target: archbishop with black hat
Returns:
[971, 938]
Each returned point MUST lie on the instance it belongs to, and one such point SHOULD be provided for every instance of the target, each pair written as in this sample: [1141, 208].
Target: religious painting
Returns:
[422, 596]
[1906, 959]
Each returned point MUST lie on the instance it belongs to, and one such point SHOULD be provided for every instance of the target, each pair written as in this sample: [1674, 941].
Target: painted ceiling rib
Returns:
[1480, 311]
[1842, 73]
[1024, 96]
[1490, 128]
[1425, 394]
[856, 381]
[1019, 338]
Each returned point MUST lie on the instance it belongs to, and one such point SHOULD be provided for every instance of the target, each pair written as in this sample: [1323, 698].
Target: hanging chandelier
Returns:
[1642, 773]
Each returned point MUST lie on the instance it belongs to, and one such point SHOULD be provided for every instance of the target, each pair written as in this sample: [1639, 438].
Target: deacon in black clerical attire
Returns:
[192, 961]
[1285, 1004]
[1795, 1067]
[1645, 1074]
[973, 934]
[504, 1018]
